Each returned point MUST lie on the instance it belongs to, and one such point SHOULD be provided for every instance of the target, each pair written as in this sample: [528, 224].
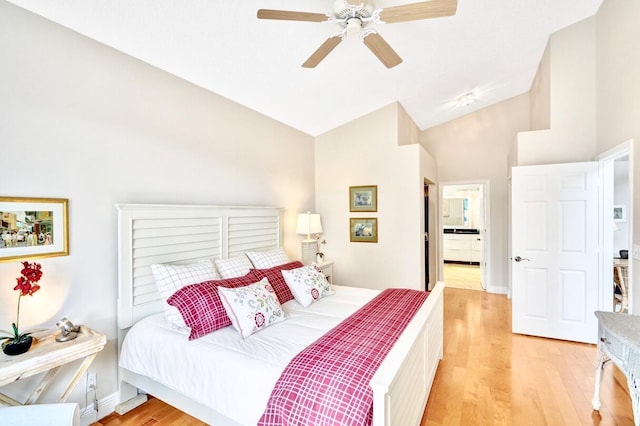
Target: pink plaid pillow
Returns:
[201, 307]
[277, 280]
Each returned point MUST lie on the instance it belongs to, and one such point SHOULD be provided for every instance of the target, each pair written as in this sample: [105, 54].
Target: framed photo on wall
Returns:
[619, 213]
[363, 198]
[33, 227]
[363, 229]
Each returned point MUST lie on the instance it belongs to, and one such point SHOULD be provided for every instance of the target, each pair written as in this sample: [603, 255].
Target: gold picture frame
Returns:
[363, 198]
[363, 229]
[33, 227]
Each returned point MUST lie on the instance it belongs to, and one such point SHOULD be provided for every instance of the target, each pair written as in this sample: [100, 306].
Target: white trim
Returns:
[106, 406]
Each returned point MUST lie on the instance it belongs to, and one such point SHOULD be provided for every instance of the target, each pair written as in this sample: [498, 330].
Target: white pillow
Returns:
[252, 308]
[233, 267]
[171, 278]
[307, 284]
[268, 258]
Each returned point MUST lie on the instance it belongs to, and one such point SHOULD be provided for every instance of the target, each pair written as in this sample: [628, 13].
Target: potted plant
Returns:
[15, 342]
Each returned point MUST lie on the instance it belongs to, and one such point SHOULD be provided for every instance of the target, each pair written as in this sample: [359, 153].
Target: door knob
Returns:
[520, 259]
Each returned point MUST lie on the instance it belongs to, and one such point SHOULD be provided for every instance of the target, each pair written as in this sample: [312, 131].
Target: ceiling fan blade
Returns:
[286, 15]
[417, 11]
[322, 52]
[382, 50]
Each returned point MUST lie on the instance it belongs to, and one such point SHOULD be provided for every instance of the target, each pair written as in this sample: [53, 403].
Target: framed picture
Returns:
[620, 213]
[363, 229]
[363, 198]
[33, 227]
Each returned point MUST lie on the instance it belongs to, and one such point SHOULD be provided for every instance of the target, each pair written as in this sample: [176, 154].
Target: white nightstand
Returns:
[326, 267]
[48, 355]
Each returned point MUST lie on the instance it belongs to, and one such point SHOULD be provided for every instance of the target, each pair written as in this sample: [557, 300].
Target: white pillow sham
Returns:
[268, 258]
[252, 308]
[171, 278]
[307, 284]
[232, 267]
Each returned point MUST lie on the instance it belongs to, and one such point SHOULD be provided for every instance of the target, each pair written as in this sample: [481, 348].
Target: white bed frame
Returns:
[185, 233]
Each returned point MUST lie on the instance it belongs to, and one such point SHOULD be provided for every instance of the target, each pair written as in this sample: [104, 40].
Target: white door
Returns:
[554, 251]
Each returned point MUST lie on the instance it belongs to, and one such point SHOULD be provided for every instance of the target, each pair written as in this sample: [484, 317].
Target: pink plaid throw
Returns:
[328, 382]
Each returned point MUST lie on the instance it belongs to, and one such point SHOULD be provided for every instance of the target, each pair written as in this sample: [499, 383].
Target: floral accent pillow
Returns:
[274, 275]
[201, 307]
[307, 284]
[252, 308]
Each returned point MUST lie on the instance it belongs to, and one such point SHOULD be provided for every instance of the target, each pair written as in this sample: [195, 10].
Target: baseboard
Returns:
[496, 290]
[106, 406]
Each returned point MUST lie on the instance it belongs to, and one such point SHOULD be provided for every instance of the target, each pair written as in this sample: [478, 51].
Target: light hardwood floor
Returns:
[488, 376]
[458, 275]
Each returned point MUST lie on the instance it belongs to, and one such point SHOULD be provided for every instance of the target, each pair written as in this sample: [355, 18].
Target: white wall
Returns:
[618, 86]
[81, 121]
[474, 148]
[366, 152]
[540, 94]
[572, 100]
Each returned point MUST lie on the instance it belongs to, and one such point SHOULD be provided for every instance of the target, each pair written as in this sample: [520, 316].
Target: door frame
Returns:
[605, 200]
[485, 233]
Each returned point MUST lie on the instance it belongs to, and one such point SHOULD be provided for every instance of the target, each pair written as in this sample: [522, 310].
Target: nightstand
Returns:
[48, 355]
[326, 267]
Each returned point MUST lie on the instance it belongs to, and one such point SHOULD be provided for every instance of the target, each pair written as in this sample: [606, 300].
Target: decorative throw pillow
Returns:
[268, 258]
[233, 267]
[274, 275]
[252, 308]
[200, 305]
[171, 278]
[307, 284]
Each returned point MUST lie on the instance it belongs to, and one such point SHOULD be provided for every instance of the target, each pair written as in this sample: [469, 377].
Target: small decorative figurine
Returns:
[68, 331]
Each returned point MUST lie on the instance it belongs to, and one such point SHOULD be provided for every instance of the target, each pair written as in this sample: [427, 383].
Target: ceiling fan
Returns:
[354, 17]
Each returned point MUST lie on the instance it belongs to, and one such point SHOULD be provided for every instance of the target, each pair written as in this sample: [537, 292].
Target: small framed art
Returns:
[620, 213]
[363, 229]
[33, 227]
[363, 198]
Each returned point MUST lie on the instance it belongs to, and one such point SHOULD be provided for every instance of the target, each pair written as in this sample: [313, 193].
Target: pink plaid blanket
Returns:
[328, 382]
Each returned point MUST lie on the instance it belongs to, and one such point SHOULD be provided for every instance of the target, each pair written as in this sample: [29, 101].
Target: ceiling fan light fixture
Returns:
[354, 26]
[467, 99]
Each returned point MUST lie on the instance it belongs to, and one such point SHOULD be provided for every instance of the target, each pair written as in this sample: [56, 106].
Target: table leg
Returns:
[601, 362]
[7, 401]
[44, 383]
[76, 377]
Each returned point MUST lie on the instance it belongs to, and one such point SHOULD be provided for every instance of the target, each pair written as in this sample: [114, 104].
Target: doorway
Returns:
[463, 234]
[616, 228]
[426, 234]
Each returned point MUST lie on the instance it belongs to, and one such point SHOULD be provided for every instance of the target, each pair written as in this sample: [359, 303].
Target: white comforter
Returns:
[221, 370]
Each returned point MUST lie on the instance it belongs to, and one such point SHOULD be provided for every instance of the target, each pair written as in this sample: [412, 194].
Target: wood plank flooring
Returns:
[458, 275]
[488, 376]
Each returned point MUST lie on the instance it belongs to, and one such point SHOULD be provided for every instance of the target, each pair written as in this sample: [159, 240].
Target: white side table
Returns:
[326, 267]
[619, 342]
[48, 355]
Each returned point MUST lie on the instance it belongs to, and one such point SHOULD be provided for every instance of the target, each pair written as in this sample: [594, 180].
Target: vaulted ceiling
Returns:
[489, 47]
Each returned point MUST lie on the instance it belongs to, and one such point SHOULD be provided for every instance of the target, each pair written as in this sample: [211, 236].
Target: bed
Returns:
[183, 234]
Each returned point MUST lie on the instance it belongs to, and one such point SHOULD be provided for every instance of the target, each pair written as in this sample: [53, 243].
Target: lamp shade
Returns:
[309, 223]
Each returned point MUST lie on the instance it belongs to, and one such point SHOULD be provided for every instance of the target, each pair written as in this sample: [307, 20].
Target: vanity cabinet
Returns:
[462, 246]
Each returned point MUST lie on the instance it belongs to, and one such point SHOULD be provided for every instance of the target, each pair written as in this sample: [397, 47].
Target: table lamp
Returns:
[309, 223]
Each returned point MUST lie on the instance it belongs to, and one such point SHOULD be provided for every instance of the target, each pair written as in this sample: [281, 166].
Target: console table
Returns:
[619, 341]
[46, 354]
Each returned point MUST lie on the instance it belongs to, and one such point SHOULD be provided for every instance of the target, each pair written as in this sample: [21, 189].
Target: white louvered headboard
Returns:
[164, 233]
